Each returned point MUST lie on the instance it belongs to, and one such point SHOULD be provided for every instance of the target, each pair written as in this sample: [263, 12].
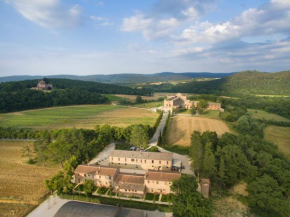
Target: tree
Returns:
[89, 187]
[26, 152]
[266, 197]
[193, 110]
[202, 103]
[139, 136]
[200, 111]
[186, 200]
[55, 183]
[196, 152]
[70, 165]
[138, 99]
[209, 169]
[221, 172]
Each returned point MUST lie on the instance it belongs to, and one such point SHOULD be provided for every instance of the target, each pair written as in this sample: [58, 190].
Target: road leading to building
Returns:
[154, 140]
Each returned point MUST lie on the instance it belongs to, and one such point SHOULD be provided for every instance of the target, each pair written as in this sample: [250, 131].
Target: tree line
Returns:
[17, 96]
[232, 158]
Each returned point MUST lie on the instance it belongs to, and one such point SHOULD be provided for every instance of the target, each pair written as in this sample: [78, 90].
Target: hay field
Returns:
[181, 128]
[279, 136]
[259, 114]
[22, 185]
[83, 116]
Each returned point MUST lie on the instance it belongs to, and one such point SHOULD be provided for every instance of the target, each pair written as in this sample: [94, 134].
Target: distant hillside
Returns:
[126, 78]
[248, 82]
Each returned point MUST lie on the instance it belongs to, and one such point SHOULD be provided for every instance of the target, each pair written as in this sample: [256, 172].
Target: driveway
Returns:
[185, 160]
[154, 140]
[103, 157]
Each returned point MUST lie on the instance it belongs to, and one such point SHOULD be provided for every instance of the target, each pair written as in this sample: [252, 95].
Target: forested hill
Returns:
[247, 82]
[126, 78]
[17, 96]
[93, 87]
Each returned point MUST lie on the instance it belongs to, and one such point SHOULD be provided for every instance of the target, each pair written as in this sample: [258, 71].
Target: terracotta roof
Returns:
[136, 179]
[162, 176]
[142, 155]
[132, 187]
[213, 103]
[98, 170]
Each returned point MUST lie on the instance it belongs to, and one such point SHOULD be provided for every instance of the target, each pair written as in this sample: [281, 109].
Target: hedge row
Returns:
[117, 202]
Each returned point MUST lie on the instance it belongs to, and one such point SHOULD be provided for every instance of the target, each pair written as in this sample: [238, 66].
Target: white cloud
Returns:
[165, 17]
[100, 3]
[48, 13]
[102, 21]
[268, 19]
[98, 18]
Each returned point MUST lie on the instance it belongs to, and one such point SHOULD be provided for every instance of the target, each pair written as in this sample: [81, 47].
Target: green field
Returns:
[149, 105]
[84, 116]
[259, 114]
[279, 136]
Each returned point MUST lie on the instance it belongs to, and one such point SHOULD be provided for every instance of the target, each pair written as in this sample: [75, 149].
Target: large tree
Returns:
[187, 201]
[139, 136]
[266, 197]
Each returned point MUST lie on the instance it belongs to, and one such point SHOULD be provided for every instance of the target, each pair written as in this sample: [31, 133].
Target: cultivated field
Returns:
[22, 185]
[181, 128]
[259, 114]
[279, 136]
[132, 98]
[84, 116]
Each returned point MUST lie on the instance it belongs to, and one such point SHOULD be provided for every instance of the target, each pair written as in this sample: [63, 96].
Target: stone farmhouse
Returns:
[126, 183]
[181, 101]
[42, 85]
[142, 160]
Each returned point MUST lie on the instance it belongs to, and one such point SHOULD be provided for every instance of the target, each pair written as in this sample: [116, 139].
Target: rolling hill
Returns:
[126, 78]
[247, 82]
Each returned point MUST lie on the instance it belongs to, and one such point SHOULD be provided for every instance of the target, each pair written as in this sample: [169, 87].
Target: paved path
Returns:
[102, 157]
[154, 140]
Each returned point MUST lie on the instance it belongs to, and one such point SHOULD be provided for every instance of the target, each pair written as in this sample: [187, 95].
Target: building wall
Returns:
[154, 186]
[143, 163]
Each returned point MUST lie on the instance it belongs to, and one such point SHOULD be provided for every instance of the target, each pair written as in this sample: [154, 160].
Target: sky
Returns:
[85, 37]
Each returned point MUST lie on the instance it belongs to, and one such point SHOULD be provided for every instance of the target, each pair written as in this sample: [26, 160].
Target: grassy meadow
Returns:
[22, 186]
[84, 116]
[259, 114]
[280, 136]
[181, 127]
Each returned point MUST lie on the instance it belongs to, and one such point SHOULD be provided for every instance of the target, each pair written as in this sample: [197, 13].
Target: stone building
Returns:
[126, 183]
[42, 85]
[141, 160]
[181, 101]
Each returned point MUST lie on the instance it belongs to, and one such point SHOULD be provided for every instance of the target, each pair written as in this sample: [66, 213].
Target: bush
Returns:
[149, 196]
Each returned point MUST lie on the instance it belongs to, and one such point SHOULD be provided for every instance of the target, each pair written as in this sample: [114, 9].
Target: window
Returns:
[99, 176]
[153, 161]
[157, 182]
[118, 159]
[145, 161]
[85, 175]
[141, 160]
[125, 159]
[160, 162]
[167, 162]
[132, 160]
[112, 158]
[148, 181]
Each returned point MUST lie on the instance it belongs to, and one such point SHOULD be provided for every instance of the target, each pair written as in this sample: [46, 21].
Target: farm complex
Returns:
[181, 101]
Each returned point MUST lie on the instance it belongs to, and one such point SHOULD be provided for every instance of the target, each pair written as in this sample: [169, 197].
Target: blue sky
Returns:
[82, 37]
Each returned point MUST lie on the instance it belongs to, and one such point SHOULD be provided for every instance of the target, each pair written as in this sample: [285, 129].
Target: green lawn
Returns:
[280, 136]
[149, 105]
[259, 114]
[149, 196]
[210, 114]
[102, 190]
[113, 97]
[83, 116]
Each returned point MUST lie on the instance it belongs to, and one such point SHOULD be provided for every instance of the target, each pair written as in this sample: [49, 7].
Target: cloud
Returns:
[102, 21]
[268, 19]
[48, 13]
[100, 3]
[165, 16]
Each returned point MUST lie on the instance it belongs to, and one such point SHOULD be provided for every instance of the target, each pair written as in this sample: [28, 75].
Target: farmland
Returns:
[181, 128]
[84, 116]
[22, 185]
[279, 136]
[259, 114]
